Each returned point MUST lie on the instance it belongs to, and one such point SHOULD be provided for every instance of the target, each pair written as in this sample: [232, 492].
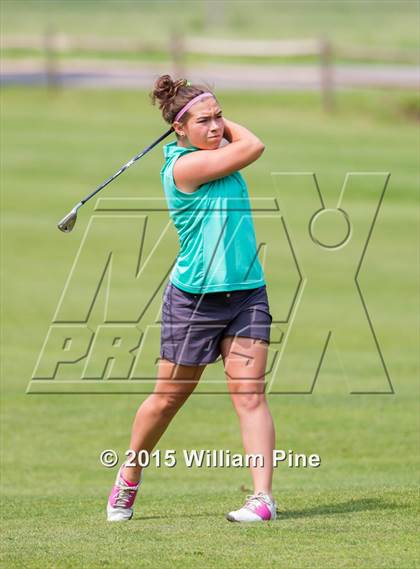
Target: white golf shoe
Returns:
[258, 508]
[121, 499]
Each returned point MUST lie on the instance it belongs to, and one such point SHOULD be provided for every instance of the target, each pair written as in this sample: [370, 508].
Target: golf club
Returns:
[67, 223]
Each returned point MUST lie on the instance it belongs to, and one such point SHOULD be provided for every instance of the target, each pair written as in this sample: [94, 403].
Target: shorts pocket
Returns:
[178, 306]
[181, 299]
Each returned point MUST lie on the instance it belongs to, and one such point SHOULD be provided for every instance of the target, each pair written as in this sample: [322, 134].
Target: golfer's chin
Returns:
[215, 141]
[211, 143]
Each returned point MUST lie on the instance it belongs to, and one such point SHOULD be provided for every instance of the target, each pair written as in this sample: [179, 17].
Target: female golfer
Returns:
[215, 302]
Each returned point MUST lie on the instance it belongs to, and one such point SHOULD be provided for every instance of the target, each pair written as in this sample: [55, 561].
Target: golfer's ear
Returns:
[177, 126]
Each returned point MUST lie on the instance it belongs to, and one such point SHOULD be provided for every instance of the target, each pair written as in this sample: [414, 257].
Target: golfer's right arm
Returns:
[197, 168]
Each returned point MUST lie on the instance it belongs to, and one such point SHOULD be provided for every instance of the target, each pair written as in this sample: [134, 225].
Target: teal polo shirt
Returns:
[218, 249]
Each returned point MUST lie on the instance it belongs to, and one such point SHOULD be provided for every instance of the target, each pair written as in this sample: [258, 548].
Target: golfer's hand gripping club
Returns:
[67, 223]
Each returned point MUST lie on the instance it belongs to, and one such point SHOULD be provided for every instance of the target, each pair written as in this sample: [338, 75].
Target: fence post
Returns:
[51, 65]
[326, 75]
[177, 50]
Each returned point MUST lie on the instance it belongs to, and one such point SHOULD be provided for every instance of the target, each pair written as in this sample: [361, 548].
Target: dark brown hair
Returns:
[173, 95]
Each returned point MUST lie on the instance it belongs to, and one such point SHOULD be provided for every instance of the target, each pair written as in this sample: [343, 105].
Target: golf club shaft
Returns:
[121, 170]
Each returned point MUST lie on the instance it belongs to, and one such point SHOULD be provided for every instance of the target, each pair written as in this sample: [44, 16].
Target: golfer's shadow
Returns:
[140, 518]
[362, 505]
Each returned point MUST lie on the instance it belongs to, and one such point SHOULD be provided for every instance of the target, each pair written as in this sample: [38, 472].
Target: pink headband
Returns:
[191, 103]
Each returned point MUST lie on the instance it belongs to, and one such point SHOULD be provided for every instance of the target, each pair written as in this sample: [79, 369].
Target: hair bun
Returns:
[174, 95]
[165, 88]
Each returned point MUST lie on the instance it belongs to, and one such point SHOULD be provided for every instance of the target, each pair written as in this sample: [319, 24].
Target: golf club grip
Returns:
[129, 163]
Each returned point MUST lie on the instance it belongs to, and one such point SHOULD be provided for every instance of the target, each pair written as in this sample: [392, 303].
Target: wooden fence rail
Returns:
[179, 47]
[281, 48]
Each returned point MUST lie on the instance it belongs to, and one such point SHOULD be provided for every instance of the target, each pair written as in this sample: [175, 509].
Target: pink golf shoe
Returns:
[258, 508]
[121, 499]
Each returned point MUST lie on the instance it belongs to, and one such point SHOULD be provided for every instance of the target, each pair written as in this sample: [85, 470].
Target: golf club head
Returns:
[67, 223]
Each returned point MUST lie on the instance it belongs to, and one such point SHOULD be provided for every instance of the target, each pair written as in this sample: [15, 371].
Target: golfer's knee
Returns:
[167, 404]
[247, 402]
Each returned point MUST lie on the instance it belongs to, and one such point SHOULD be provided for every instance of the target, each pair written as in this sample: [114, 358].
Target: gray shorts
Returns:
[193, 325]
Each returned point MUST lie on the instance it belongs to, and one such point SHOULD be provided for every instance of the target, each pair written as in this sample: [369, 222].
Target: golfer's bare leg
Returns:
[245, 362]
[174, 385]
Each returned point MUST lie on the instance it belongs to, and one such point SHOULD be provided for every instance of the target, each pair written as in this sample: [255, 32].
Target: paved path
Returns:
[116, 74]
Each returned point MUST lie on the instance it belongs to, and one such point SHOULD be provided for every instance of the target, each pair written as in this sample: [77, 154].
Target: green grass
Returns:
[373, 23]
[359, 509]
[388, 27]
[155, 56]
